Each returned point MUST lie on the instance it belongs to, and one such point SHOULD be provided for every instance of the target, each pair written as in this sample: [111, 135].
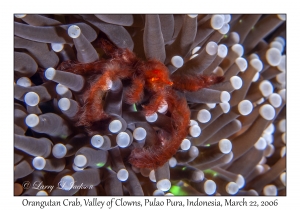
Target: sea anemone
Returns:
[150, 104]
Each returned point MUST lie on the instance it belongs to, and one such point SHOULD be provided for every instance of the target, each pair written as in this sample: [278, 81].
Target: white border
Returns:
[8, 201]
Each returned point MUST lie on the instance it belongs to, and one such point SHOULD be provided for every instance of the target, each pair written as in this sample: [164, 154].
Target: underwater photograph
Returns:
[149, 104]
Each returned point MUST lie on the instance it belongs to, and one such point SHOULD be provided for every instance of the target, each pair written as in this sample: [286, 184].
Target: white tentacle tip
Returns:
[122, 175]
[163, 184]
[236, 82]
[210, 187]
[177, 61]
[225, 96]
[59, 150]
[211, 48]
[97, 141]
[152, 118]
[66, 182]
[50, 73]
[266, 88]
[261, 144]
[267, 112]
[123, 139]
[139, 133]
[195, 131]
[64, 104]
[203, 116]
[24, 82]
[32, 120]
[275, 100]
[31, 99]
[39, 163]
[225, 107]
[20, 15]
[232, 188]
[217, 21]
[192, 15]
[241, 63]
[57, 47]
[238, 49]
[225, 28]
[282, 17]
[273, 56]
[115, 126]
[222, 50]
[80, 160]
[61, 89]
[185, 144]
[74, 31]
[225, 146]
[245, 107]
